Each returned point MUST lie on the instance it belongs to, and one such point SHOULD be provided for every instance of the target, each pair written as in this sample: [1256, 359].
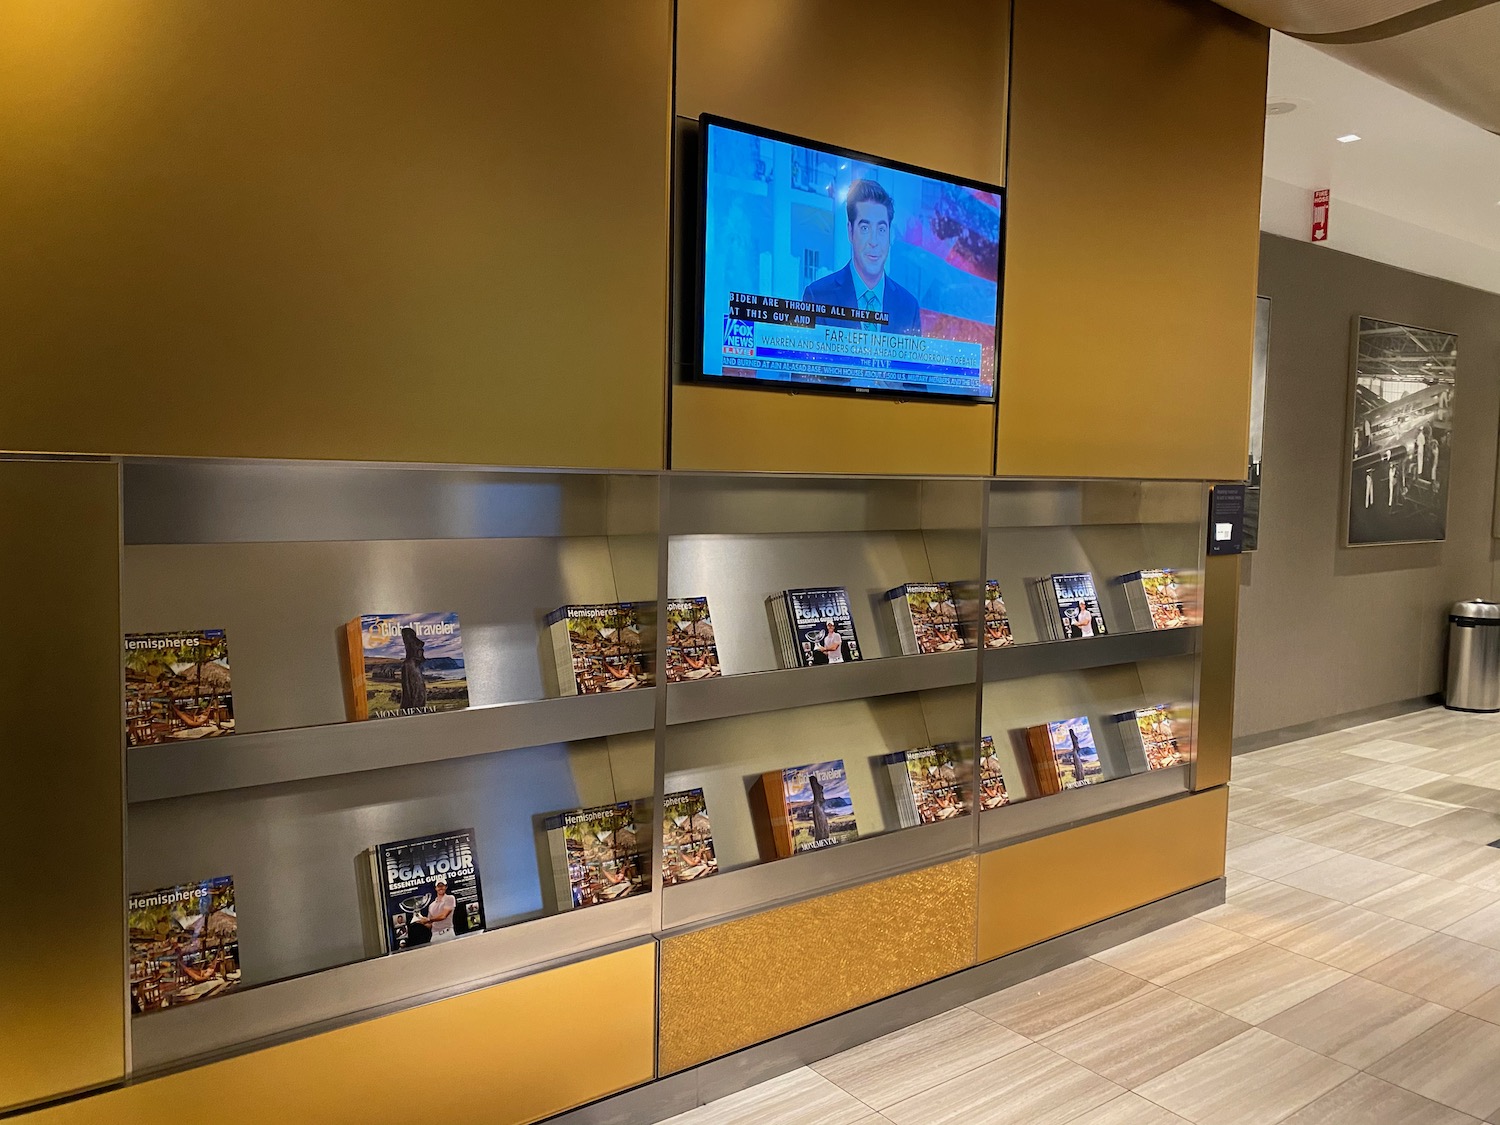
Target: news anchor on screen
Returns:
[863, 282]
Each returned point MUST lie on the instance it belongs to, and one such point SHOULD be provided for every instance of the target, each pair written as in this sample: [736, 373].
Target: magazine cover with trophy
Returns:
[428, 889]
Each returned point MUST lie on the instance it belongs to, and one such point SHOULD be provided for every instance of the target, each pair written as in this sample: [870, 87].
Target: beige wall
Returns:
[1324, 629]
[335, 228]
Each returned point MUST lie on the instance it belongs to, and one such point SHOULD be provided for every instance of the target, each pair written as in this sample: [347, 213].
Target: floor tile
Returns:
[1428, 901]
[1347, 878]
[1145, 1036]
[1452, 1063]
[1175, 951]
[1366, 1100]
[906, 1062]
[797, 1098]
[1257, 984]
[1440, 968]
[1481, 927]
[1347, 832]
[1350, 938]
[1357, 1022]
[1032, 1086]
[1398, 779]
[1388, 751]
[1277, 855]
[1405, 809]
[1456, 792]
[1254, 1079]
[1241, 833]
[1486, 1007]
[1047, 1003]
[1269, 908]
[1487, 775]
[1477, 826]
[1446, 858]
[1343, 795]
[1285, 813]
[1129, 1109]
[1239, 882]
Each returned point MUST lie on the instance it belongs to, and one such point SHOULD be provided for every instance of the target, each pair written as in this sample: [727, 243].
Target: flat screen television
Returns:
[822, 269]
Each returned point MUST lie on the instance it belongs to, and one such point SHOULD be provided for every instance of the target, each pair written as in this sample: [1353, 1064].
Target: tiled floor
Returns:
[1353, 977]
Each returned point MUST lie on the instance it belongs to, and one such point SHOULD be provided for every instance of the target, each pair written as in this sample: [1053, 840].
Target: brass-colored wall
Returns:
[1026, 894]
[746, 981]
[368, 229]
[877, 76]
[62, 941]
[1133, 190]
[505, 1055]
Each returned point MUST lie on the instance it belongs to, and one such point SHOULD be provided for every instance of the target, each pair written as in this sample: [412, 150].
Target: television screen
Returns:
[826, 269]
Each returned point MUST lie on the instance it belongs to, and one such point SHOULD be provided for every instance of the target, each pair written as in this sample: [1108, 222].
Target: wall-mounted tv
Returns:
[822, 269]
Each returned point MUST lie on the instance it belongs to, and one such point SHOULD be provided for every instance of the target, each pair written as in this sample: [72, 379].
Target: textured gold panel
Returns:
[765, 431]
[506, 1055]
[1221, 618]
[1041, 888]
[796, 67]
[364, 229]
[864, 74]
[746, 981]
[62, 943]
[1133, 234]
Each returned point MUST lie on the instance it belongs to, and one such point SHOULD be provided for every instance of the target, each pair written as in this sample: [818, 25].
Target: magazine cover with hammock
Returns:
[184, 944]
[177, 687]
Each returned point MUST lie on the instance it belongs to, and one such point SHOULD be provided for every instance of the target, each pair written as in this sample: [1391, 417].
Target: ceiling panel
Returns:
[1451, 64]
[1321, 17]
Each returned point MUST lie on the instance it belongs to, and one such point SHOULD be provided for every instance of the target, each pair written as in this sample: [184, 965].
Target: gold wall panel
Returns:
[935, 99]
[62, 942]
[1221, 616]
[1028, 892]
[722, 428]
[365, 229]
[505, 1055]
[746, 981]
[1134, 223]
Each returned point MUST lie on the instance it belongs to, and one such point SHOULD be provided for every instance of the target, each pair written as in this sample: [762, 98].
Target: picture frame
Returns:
[1398, 437]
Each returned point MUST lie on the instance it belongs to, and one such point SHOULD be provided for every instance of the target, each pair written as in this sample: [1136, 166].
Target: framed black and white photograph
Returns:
[1400, 433]
[1260, 360]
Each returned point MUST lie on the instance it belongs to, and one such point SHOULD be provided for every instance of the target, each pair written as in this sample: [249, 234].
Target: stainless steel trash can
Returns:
[1474, 656]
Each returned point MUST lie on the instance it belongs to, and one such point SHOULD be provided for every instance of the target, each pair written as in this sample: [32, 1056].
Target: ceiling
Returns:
[1420, 189]
[1443, 51]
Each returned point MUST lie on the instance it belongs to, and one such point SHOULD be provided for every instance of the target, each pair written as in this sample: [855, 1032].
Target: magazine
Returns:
[405, 664]
[815, 627]
[1070, 606]
[1161, 599]
[927, 784]
[1159, 732]
[926, 617]
[177, 687]
[997, 632]
[428, 889]
[809, 807]
[992, 792]
[1063, 755]
[184, 944]
[687, 841]
[597, 854]
[691, 651]
[602, 647]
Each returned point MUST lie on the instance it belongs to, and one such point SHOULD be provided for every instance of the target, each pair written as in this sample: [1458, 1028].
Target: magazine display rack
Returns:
[281, 555]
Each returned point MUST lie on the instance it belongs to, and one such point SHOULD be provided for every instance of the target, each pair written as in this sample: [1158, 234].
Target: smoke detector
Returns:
[1280, 107]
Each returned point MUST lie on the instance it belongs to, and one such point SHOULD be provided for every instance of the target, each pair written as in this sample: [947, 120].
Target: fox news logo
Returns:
[739, 337]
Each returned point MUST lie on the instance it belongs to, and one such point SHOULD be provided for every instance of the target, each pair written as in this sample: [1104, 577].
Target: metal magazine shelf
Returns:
[282, 554]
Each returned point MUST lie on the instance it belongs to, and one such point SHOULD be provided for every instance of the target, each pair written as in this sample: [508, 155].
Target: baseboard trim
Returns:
[688, 1089]
[1266, 739]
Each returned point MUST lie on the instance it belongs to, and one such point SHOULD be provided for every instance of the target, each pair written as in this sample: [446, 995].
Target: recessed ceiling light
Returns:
[1347, 137]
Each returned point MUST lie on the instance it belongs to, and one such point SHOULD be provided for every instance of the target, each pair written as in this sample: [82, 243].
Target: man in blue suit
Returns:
[863, 283]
